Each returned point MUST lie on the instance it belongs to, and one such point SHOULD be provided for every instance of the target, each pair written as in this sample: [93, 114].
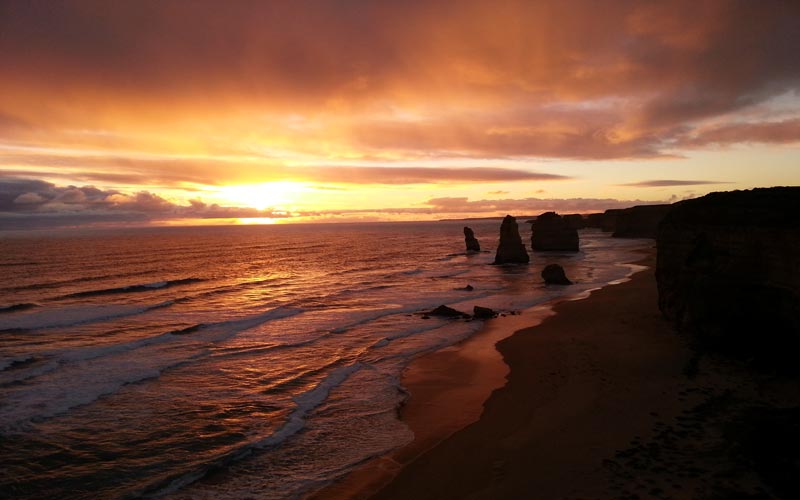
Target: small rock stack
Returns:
[472, 243]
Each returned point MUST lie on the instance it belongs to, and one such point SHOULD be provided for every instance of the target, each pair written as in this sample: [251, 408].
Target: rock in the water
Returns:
[595, 220]
[640, 221]
[575, 221]
[609, 221]
[728, 272]
[471, 241]
[510, 249]
[552, 232]
[553, 274]
[479, 312]
[447, 312]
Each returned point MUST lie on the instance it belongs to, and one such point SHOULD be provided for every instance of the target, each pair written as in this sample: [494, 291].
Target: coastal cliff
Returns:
[728, 272]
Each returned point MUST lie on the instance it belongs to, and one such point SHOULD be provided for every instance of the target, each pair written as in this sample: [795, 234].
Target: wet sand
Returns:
[447, 391]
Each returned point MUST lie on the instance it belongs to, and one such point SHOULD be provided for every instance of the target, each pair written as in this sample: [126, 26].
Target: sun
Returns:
[263, 195]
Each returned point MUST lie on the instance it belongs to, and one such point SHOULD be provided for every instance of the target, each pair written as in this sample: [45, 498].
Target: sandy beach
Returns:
[602, 400]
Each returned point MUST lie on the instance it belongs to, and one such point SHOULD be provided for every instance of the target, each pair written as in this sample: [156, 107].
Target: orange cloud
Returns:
[781, 132]
[670, 183]
[151, 95]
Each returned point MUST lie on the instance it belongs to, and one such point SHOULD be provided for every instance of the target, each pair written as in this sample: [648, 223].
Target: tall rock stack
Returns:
[553, 232]
[472, 243]
[510, 250]
[729, 272]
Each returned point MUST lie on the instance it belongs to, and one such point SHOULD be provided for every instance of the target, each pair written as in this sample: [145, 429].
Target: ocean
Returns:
[241, 361]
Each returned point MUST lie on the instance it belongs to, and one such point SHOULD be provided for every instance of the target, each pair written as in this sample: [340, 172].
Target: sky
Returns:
[190, 111]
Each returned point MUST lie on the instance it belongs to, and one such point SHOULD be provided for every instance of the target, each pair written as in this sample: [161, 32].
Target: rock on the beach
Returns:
[729, 271]
[553, 232]
[471, 241]
[483, 312]
[553, 274]
[510, 249]
[640, 221]
[446, 312]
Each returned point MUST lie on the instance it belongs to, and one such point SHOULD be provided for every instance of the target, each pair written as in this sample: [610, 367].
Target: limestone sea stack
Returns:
[728, 272]
[575, 221]
[553, 232]
[510, 249]
[595, 220]
[472, 243]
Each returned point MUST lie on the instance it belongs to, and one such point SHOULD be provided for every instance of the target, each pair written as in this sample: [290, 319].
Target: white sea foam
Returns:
[80, 376]
[73, 315]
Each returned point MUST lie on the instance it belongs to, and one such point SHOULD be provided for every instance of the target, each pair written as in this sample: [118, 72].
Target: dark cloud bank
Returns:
[29, 204]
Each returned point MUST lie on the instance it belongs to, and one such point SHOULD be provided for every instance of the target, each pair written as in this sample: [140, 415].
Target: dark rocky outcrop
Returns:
[553, 274]
[575, 221]
[479, 312]
[594, 220]
[446, 312]
[608, 223]
[552, 232]
[510, 250]
[728, 272]
[471, 241]
[640, 221]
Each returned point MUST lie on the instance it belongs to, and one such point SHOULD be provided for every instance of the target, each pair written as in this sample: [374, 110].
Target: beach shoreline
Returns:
[605, 400]
[462, 377]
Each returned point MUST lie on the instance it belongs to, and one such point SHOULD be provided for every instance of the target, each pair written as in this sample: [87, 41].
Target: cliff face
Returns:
[729, 271]
[553, 232]
[510, 250]
[640, 221]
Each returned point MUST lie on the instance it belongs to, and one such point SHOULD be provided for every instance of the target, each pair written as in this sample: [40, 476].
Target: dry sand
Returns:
[602, 400]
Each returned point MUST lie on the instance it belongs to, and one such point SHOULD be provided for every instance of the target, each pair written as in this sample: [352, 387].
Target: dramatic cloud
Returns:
[28, 203]
[155, 103]
[531, 206]
[417, 175]
[670, 183]
[169, 171]
[29, 199]
[595, 79]
[782, 132]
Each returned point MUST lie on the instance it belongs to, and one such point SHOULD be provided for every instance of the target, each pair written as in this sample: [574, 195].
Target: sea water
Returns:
[236, 362]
